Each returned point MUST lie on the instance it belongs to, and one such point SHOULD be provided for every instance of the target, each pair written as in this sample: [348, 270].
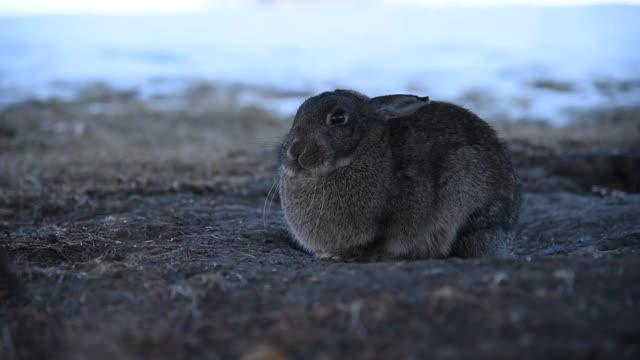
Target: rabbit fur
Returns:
[396, 177]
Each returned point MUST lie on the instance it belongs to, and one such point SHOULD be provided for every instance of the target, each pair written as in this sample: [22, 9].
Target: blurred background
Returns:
[519, 60]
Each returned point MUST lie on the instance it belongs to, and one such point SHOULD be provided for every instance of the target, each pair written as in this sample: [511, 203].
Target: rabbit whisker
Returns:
[264, 207]
[273, 195]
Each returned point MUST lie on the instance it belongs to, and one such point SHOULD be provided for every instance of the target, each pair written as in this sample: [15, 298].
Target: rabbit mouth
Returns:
[312, 159]
[293, 168]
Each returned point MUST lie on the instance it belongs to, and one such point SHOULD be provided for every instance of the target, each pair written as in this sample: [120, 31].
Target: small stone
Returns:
[264, 352]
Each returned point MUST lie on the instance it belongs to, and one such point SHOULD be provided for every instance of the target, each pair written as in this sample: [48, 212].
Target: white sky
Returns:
[29, 7]
[100, 6]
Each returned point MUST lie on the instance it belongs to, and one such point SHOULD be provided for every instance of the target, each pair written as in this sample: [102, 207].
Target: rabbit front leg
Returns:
[352, 257]
[331, 256]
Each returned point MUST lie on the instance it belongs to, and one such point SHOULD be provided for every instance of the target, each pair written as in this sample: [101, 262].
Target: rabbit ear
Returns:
[394, 106]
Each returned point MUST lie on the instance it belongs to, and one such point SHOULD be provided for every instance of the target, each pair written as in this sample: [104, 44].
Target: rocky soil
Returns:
[133, 229]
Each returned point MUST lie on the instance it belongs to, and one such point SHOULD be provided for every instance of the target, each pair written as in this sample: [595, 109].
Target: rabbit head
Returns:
[328, 129]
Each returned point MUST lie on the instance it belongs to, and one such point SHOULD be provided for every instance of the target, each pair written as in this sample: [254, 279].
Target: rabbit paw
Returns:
[334, 257]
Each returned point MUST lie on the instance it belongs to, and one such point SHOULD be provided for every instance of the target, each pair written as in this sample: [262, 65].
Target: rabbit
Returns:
[395, 177]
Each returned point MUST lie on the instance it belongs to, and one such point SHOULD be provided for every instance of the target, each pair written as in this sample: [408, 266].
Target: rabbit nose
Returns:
[295, 149]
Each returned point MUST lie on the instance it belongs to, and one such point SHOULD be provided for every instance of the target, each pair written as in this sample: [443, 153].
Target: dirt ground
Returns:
[145, 228]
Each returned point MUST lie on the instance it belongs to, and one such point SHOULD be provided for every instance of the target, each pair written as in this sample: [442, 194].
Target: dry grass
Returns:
[107, 139]
[600, 129]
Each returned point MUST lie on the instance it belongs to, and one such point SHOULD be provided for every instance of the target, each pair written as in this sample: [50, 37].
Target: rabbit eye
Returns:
[338, 117]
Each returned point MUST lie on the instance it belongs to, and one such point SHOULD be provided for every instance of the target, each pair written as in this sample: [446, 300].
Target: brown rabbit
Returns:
[395, 177]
